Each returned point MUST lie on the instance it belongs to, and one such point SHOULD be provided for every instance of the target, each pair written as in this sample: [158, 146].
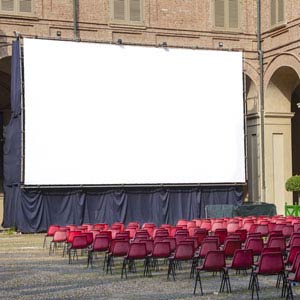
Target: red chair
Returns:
[206, 224]
[291, 269]
[242, 260]
[136, 251]
[101, 226]
[270, 263]
[101, 244]
[79, 243]
[118, 248]
[255, 244]
[292, 278]
[242, 233]
[291, 255]
[222, 234]
[50, 232]
[233, 226]
[277, 241]
[214, 262]
[59, 237]
[172, 242]
[183, 252]
[231, 246]
[160, 250]
[207, 246]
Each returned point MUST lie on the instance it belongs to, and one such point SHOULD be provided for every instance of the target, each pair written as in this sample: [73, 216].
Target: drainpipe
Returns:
[75, 18]
[262, 102]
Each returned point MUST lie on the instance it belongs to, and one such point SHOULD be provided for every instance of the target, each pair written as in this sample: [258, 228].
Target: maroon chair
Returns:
[100, 244]
[79, 243]
[277, 241]
[270, 263]
[291, 255]
[136, 251]
[292, 278]
[206, 246]
[172, 242]
[242, 260]
[255, 244]
[50, 232]
[59, 237]
[230, 246]
[214, 262]
[125, 235]
[291, 269]
[183, 252]
[161, 250]
[118, 248]
[222, 234]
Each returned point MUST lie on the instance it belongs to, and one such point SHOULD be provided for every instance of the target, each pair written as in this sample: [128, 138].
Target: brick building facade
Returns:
[266, 31]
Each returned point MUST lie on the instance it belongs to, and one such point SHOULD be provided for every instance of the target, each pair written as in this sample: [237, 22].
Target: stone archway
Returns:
[282, 80]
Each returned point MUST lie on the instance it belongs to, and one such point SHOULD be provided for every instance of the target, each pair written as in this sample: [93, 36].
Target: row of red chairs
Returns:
[136, 250]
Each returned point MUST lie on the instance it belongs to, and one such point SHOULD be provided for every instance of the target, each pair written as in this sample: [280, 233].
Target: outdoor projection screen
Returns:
[102, 114]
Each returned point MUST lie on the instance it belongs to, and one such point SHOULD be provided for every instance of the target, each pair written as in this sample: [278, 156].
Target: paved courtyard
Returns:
[28, 272]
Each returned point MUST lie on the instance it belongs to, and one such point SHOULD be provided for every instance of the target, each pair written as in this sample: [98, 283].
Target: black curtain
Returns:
[34, 210]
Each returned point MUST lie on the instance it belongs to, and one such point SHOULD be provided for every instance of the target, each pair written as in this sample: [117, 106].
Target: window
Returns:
[226, 13]
[277, 12]
[127, 11]
[16, 6]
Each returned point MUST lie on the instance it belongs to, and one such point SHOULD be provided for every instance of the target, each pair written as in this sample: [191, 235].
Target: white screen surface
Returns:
[106, 114]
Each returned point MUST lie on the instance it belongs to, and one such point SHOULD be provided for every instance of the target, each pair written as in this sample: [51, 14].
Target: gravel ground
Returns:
[28, 272]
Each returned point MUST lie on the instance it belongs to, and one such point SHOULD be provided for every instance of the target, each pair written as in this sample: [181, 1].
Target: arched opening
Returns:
[5, 110]
[295, 108]
[279, 129]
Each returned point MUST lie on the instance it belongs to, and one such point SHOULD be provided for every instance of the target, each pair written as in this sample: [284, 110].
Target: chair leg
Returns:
[225, 281]
[255, 286]
[171, 268]
[124, 267]
[289, 292]
[90, 259]
[198, 279]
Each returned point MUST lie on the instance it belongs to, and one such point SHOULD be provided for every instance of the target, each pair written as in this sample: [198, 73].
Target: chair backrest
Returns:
[278, 241]
[233, 226]
[242, 259]
[221, 233]
[297, 273]
[119, 247]
[79, 242]
[230, 246]
[101, 243]
[262, 229]
[270, 263]
[72, 234]
[214, 261]
[106, 233]
[206, 224]
[291, 255]
[149, 245]
[256, 244]
[101, 226]
[184, 251]
[60, 236]
[206, 246]
[161, 250]
[135, 225]
[142, 233]
[51, 230]
[172, 242]
[125, 235]
[288, 230]
[137, 251]
[296, 262]
[89, 237]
